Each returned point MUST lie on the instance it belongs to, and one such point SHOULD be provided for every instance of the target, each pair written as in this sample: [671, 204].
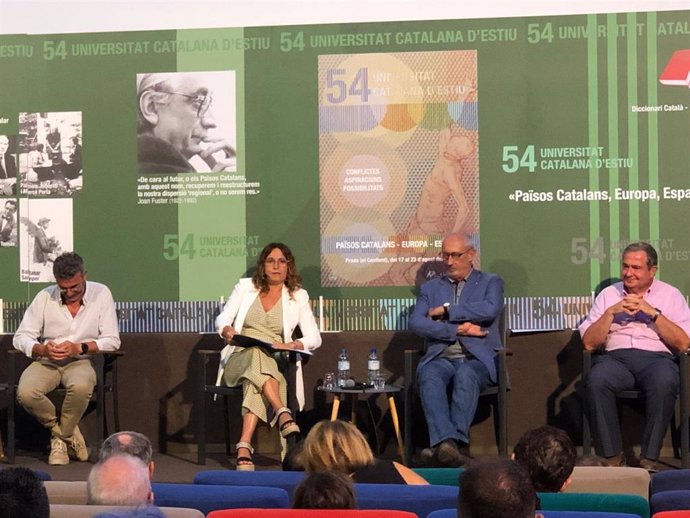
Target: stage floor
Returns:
[169, 468]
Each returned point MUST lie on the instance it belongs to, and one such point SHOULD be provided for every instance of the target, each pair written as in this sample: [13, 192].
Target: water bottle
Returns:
[343, 368]
[373, 367]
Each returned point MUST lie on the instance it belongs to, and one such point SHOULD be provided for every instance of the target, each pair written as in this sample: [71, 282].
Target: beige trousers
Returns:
[41, 378]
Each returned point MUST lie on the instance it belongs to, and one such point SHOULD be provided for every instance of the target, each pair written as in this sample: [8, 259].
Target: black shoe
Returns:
[448, 454]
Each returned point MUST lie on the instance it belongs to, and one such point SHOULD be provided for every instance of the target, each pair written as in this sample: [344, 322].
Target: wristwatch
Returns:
[656, 315]
[84, 348]
[446, 314]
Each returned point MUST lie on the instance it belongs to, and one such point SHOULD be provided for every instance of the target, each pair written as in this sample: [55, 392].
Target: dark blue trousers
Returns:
[655, 374]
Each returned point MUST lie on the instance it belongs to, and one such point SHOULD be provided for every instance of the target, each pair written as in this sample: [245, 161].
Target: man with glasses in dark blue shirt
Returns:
[175, 124]
[458, 315]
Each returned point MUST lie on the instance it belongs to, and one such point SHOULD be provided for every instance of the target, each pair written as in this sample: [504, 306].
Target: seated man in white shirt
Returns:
[63, 323]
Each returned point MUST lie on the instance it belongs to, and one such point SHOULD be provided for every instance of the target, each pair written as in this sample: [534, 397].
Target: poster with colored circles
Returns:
[398, 156]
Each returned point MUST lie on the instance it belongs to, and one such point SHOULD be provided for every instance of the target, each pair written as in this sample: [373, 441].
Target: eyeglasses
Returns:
[453, 255]
[280, 262]
[74, 287]
[202, 102]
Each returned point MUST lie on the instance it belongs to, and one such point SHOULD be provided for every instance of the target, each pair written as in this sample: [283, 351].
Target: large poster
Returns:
[398, 146]
[169, 158]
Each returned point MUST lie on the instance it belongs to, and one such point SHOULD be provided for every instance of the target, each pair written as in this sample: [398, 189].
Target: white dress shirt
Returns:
[48, 319]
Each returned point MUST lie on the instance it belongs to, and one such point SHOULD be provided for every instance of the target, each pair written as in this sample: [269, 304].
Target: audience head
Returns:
[22, 494]
[496, 488]
[119, 480]
[131, 443]
[336, 446]
[325, 490]
[548, 455]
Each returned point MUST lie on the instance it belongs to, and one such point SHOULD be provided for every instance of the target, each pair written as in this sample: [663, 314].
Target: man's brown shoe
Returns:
[650, 465]
[616, 460]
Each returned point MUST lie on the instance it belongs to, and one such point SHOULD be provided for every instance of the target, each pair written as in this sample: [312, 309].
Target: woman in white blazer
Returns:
[268, 307]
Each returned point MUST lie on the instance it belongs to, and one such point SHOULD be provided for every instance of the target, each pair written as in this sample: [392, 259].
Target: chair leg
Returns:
[100, 397]
[586, 431]
[201, 409]
[226, 421]
[407, 407]
[116, 404]
[684, 411]
[502, 423]
[11, 411]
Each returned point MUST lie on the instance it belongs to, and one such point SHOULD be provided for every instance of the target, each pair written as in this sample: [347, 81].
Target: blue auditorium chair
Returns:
[675, 500]
[420, 500]
[453, 513]
[211, 498]
[670, 480]
[287, 480]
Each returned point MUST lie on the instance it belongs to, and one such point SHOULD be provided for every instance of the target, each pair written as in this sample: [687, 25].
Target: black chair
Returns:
[684, 399]
[498, 393]
[105, 364]
[209, 387]
[205, 386]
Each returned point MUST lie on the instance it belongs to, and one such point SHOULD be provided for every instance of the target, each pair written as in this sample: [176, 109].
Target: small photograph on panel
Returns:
[186, 122]
[8, 165]
[45, 232]
[50, 162]
[8, 222]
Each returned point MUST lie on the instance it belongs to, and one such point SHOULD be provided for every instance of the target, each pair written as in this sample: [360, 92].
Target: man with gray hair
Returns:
[175, 119]
[641, 323]
[60, 328]
[119, 480]
[130, 443]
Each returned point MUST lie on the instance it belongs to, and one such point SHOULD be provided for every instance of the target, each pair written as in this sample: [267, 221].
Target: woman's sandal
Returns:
[289, 427]
[244, 463]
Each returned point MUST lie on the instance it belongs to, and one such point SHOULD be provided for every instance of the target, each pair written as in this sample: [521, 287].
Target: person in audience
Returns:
[458, 315]
[548, 455]
[131, 443]
[339, 446]
[641, 324]
[120, 479]
[325, 490]
[496, 488]
[62, 324]
[22, 494]
[268, 307]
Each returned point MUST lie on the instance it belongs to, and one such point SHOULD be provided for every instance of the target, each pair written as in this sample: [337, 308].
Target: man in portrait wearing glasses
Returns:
[175, 126]
[458, 315]
[62, 325]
